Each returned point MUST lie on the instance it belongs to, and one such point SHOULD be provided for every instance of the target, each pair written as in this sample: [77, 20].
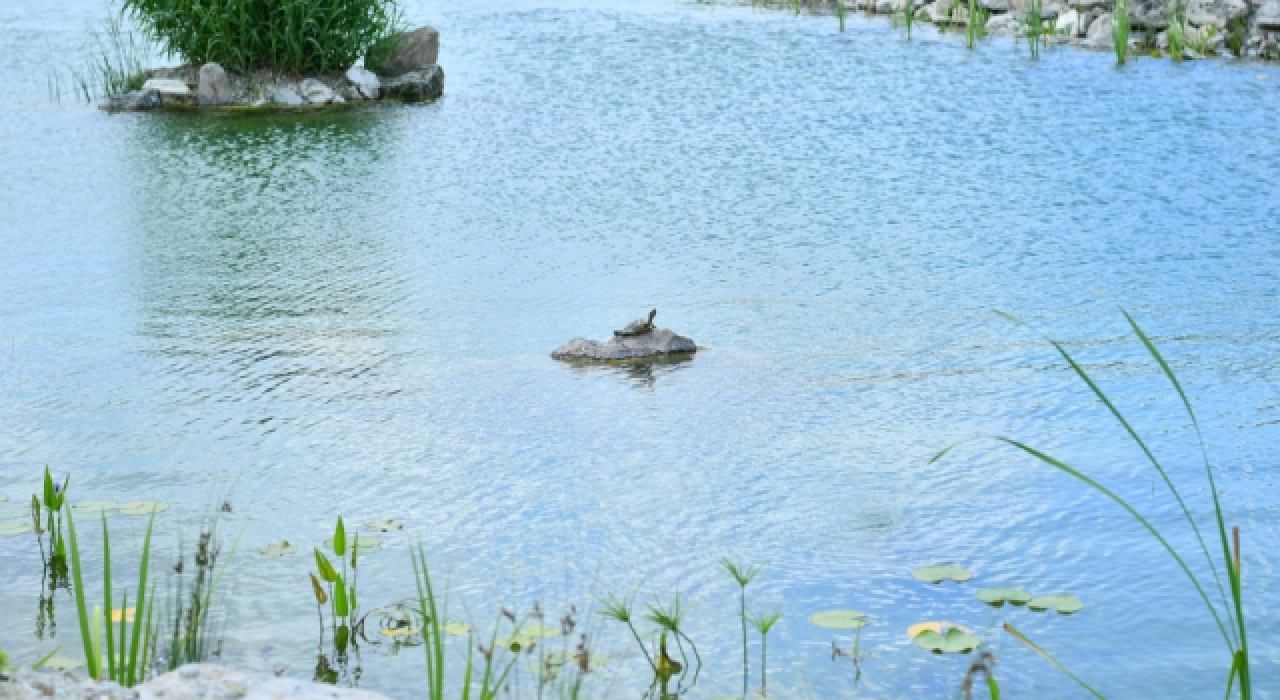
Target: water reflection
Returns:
[642, 373]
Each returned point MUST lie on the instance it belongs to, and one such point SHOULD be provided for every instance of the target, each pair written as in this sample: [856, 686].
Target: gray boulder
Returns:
[413, 50]
[173, 93]
[1216, 12]
[656, 342]
[365, 82]
[315, 92]
[1148, 14]
[287, 96]
[213, 87]
[427, 83]
[136, 100]
[998, 6]
[1269, 15]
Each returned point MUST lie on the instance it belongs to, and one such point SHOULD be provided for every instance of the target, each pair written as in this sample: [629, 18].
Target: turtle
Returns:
[638, 327]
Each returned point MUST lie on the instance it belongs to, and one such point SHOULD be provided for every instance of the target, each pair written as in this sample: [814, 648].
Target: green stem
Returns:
[743, 615]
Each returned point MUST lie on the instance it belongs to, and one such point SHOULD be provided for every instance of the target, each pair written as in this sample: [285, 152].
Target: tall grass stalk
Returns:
[840, 12]
[975, 25]
[1176, 34]
[115, 62]
[1034, 25]
[287, 35]
[763, 623]
[191, 638]
[128, 666]
[1120, 31]
[742, 574]
[1233, 628]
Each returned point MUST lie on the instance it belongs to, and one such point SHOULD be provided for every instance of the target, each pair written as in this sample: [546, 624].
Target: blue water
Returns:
[351, 314]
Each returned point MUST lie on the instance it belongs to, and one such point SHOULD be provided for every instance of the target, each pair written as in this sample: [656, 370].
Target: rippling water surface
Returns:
[351, 313]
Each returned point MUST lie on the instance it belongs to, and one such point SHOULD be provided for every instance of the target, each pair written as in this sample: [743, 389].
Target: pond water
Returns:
[352, 314]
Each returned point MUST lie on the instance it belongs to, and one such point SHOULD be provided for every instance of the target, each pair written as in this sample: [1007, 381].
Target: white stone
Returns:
[315, 91]
[364, 81]
[1068, 24]
[287, 96]
[172, 92]
[214, 88]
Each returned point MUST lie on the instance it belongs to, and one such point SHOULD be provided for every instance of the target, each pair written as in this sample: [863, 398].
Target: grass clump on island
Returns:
[295, 36]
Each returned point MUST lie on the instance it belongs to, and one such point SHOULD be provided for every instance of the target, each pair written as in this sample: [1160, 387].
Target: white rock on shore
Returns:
[171, 91]
[214, 88]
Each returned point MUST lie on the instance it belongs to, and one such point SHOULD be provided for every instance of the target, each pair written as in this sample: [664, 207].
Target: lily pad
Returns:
[936, 626]
[400, 631]
[142, 507]
[997, 597]
[1060, 602]
[17, 528]
[839, 619]
[62, 663]
[938, 574]
[536, 630]
[457, 629]
[128, 614]
[93, 507]
[367, 545]
[15, 511]
[384, 525]
[955, 641]
[278, 549]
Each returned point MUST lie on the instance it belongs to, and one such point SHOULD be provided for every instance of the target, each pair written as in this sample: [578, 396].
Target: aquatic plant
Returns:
[742, 574]
[839, 12]
[908, 11]
[984, 665]
[975, 24]
[1033, 26]
[284, 35]
[191, 637]
[1045, 655]
[1176, 34]
[1120, 30]
[115, 62]
[763, 623]
[1236, 34]
[669, 618]
[622, 610]
[493, 676]
[1227, 612]
[126, 662]
[341, 595]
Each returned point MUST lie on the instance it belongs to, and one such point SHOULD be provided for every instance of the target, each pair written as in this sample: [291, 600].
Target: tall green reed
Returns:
[839, 12]
[975, 24]
[763, 623]
[1176, 33]
[1120, 30]
[1228, 611]
[191, 636]
[742, 574]
[126, 661]
[286, 35]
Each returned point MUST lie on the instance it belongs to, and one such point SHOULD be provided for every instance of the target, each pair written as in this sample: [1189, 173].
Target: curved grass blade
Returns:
[92, 662]
[1018, 636]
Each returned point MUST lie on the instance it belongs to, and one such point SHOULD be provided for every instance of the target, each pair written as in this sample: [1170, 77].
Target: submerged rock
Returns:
[136, 100]
[639, 339]
[413, 50]
[213, 88]
[427, 83]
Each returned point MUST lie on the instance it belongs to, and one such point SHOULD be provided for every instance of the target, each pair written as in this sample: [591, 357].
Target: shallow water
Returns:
[351, 313]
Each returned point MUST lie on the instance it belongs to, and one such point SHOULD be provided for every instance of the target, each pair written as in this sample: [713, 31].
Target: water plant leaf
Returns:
[318, 590]
[997, 597]
[938, 574]
[128, 613]
[1060, 602]
[384, 525]
[400, 632]
[62, 663]
[940, 627]
[142, 507]
[14, 511]
[339, 541]
[457, 629]
[366, 545]
[326, 569]
[839, 619]
[93, 507]
[278, 549]
[17, 528]
[955, 641]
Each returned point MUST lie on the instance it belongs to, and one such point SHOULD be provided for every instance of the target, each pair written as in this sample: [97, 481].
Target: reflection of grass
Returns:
[1230, 618]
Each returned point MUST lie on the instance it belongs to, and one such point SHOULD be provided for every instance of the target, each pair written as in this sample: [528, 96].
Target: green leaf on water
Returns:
[384, 525]
[62, 663]
[367, 545]
[1060, 602]
[457, 629]
[339, 542]
[327, 572]
[142, 507]
[15, 511]
[938, 574]
[839, 619]
[955, 641]
[997, 597]
[278, 549]
[17, 528]
[93, 507]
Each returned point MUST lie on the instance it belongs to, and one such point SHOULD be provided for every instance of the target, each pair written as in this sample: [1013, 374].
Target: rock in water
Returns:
[413, 50]
[213, 88]
[315, 91]
[657, 343]
[427, 83]
[287, 96]
[138, 99]
[171, 92]
[365, 82]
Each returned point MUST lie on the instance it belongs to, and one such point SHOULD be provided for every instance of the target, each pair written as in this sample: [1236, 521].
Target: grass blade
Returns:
[106, 583]
[1018, 636]
[92, 663]
[142, 602]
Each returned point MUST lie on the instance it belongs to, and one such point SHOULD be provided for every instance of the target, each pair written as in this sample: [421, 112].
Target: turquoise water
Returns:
[352, 313]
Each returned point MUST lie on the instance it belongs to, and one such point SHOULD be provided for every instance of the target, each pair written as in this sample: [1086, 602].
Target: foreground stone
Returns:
[656, 342]
[213, 86]
[191, 682]
[413, 50]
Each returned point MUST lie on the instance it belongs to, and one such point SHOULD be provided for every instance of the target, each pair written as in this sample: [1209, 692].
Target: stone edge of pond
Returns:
[190, 682]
